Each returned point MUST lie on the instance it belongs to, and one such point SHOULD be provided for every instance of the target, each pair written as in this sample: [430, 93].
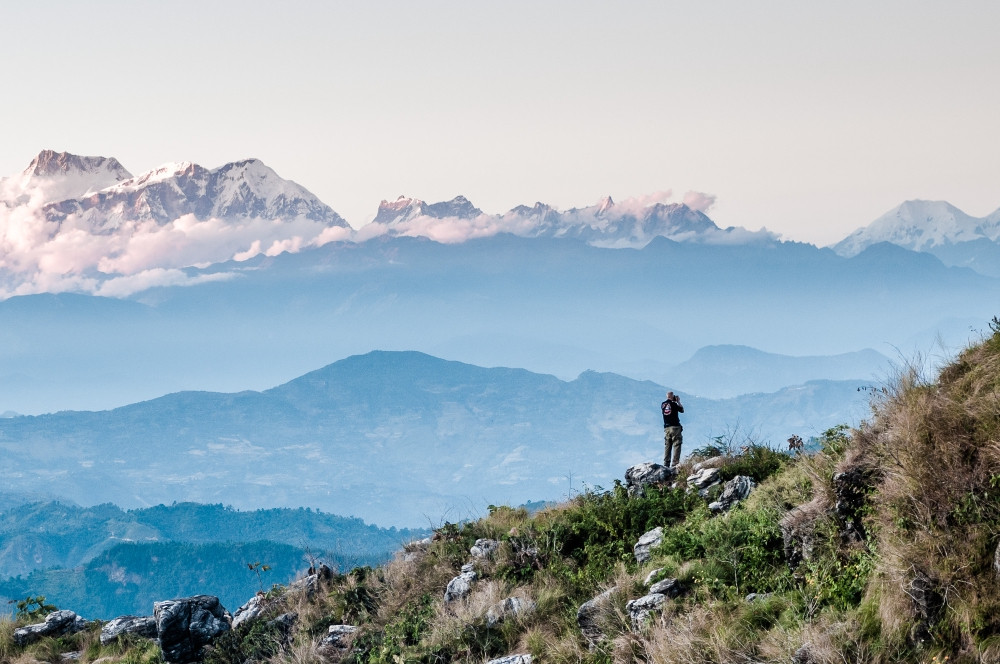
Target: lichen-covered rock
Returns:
[593, 615]
[144, 626]
[460, 586]
[642, 608]
[484, 548]
[639, 476]
[512, 607]
[735, 490]
[338, 636]
[649, 540]
[185, 626]
[56, 623]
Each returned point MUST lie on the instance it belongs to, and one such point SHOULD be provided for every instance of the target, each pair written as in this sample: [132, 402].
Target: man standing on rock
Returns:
[672, 430]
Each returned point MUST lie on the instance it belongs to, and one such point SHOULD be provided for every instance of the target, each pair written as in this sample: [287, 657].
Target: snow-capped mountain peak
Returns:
[604, 205]
[55, 176]
[921, 225]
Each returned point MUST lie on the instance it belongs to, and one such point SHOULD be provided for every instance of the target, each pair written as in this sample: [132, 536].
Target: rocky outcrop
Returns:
[144, 626]
[512, 607]
[593, 615]
[460, 586]
[641, 609]
[185, 626]
[647, 543]
[638, 477]
[56, 623]
[734, 491]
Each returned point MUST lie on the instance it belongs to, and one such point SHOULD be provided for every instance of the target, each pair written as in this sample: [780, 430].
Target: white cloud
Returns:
[699, 201]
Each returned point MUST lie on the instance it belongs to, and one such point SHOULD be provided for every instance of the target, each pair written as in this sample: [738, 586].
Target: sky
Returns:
[810, 119]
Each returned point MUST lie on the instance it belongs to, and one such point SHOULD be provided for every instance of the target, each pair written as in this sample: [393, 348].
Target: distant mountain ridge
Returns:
[937, 228]
[337, 438]
[725, 371]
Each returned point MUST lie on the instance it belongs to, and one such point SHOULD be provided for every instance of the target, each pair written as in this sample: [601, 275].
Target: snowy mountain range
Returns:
[604, 224]
[87, 224]
[104, 195]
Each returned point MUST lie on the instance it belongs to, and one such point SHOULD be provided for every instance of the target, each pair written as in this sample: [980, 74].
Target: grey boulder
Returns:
[185, 626]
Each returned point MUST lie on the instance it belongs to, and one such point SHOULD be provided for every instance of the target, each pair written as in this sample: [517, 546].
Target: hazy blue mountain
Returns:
[396, 438]
[729, 371]
[550, 305]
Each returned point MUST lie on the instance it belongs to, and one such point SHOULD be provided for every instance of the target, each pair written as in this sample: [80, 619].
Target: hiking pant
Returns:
[672, 446]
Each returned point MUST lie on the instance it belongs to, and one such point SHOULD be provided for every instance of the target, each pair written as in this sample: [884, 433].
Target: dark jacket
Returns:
[671, 410]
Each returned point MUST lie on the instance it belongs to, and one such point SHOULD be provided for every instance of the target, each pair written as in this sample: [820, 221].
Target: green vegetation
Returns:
[879, 545]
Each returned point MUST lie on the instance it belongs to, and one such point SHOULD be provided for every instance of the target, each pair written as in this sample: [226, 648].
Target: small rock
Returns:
[71, 656]
[668, 587]
[512, 659]
[646, 543]
[756, 597]
[484, 548]
[703, 479]
[711, 462]
[512, 607]
[803, 655]
[642, 608]
[338, 636]
[460, 586]
[144, 626]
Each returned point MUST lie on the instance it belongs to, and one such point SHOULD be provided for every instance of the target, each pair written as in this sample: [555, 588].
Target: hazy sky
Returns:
[808, 118]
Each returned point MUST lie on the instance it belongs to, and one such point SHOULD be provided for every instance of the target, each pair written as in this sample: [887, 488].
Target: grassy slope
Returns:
[891, 532]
